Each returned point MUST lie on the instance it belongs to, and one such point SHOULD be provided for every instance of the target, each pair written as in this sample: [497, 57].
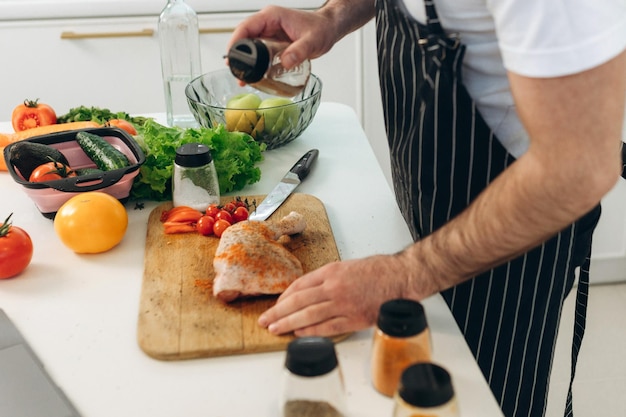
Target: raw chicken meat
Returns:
[249, 261]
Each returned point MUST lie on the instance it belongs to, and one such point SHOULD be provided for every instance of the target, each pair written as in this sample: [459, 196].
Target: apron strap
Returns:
[432, 19]
[580, 320]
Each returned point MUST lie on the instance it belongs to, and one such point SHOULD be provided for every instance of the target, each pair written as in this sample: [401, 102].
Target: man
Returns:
[504, 122]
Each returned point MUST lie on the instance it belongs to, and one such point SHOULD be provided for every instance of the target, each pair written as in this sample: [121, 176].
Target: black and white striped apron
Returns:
[442, 156]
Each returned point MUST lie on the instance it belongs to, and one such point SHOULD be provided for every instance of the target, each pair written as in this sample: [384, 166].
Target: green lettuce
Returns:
[235, 155]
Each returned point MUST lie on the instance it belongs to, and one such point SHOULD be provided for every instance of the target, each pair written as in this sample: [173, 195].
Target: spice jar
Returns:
[257, 62]
[195, 182]
[313, 384]
[425, 389]
[401, 338]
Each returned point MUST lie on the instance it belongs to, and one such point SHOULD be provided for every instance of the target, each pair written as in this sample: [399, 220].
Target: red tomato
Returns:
[16, 249]
[240, 214]
[220, 226]
[229, 207]
[212, 210]
[51, 171]
[32, 114]
[124, 125]
[224, 215]
[205, 225]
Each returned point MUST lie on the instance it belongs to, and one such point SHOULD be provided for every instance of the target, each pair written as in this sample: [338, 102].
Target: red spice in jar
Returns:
[402, 338]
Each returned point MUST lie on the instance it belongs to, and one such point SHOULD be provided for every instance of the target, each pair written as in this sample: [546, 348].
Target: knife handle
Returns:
[303, 166]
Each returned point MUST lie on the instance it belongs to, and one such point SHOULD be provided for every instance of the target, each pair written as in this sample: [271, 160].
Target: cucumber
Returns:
[102, 153]
[88, 171]
[26, 156]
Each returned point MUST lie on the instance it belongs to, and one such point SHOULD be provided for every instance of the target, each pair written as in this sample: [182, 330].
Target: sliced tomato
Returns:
[31, 114]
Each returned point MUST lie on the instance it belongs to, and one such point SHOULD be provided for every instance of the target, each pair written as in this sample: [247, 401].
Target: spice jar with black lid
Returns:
[425, 389]
[194, 181]
[401, 338]
[313, 383]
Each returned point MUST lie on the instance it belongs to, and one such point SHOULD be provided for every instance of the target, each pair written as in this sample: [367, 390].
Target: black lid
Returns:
[249, 60]
[425, 385]
[311, 356]
[193, 155]
[402, 318]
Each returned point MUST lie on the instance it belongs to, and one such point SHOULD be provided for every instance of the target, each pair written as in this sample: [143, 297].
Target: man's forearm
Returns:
[573, 161]
[348, 15]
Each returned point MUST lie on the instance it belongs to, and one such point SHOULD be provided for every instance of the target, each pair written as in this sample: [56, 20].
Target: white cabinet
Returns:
[114, 62]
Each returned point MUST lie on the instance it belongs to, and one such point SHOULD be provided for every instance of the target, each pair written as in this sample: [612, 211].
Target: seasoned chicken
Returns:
[250, 261]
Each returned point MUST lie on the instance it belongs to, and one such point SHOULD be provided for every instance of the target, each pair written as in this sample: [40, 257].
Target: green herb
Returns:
[98, 115]
[235, 156]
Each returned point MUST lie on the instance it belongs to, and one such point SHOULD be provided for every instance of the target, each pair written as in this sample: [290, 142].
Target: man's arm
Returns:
[311, 33]
[575, 126]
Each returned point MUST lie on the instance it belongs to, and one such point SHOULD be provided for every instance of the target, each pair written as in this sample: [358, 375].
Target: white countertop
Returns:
[79, 312]
[59, 9]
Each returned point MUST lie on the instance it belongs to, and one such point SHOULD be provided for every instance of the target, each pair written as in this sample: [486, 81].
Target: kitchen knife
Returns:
[285, 187]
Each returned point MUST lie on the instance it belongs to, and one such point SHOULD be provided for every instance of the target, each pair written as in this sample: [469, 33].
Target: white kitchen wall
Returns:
[47, 9]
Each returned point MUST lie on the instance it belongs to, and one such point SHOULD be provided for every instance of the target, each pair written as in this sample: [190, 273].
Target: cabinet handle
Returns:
[74, 35]
[216, 30]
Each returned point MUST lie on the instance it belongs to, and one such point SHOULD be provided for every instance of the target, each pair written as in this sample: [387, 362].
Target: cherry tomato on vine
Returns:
[240, 214]
[205, 225]
[229, 207]
[212, 210]
[220, 226]
[31, 114]
[16, 249]
[224, 215]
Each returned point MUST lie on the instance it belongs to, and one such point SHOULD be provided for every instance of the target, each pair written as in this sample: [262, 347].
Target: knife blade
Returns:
[285, 187]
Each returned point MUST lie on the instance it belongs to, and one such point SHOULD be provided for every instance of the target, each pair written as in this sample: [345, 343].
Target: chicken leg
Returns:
[249, 260]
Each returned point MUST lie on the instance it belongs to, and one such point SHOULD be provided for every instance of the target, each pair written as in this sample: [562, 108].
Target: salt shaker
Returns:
[401, 338]
[425, 389]
[313, 383]
[195, 183]
[257, 62]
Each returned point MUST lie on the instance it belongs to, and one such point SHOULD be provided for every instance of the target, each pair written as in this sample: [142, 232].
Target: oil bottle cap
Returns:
[311, 356]
[425, 385]
[249, 59]
[402, 318]
[193, 155]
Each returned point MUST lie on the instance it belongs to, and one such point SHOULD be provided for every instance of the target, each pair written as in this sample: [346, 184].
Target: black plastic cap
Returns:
[192, 155]
[425, 385]
[248, 60]
[311, 356]
[402, 318]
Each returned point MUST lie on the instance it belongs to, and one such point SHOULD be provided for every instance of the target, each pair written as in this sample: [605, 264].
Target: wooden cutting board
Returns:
[180, 319]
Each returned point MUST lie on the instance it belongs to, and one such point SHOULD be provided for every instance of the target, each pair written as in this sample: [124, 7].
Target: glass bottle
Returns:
[425, 389]
[257, 62]
[313, 384]
[195, 183]
[180, 59]
[401, 338]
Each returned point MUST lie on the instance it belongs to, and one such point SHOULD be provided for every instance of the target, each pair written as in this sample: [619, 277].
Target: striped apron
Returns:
[442, 156]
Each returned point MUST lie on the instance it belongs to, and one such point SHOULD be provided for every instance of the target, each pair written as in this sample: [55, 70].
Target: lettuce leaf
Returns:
[235, 155]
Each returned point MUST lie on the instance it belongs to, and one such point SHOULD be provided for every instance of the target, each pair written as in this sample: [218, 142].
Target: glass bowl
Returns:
[217, 98]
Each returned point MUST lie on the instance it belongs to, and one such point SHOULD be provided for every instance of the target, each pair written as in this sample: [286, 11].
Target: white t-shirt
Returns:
[534, 38]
